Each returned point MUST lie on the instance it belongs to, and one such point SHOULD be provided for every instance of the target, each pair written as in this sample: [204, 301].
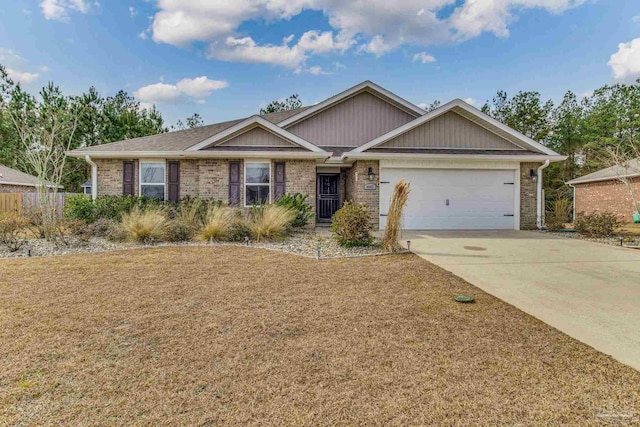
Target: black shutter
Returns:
[174, 181]
[234, 183]
[128, 175]
[279, 182]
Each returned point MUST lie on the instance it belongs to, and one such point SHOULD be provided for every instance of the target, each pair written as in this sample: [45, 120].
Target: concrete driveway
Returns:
[590, 291]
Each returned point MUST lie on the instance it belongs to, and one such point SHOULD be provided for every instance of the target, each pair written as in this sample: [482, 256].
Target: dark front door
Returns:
[328, 195]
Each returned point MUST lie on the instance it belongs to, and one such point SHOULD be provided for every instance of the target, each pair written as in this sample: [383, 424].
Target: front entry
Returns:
[328, 190]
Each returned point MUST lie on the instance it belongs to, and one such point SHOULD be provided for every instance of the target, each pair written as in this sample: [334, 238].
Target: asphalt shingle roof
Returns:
[631, 169]
[9, 175]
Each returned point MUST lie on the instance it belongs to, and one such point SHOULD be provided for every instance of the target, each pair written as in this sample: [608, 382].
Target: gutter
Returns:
[418, 156]
[94, 177]
[539, 201]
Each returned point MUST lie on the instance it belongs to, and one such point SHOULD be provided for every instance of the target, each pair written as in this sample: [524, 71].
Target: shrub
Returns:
[218, 223]
[102, 227]
[113, 207]
[12, 227]
[81, 207]
[298, 203]
[352, 225]
[239, 230]
[78, 228]
[270, 221]
[145, 225]
[597, 224]
[559, 215]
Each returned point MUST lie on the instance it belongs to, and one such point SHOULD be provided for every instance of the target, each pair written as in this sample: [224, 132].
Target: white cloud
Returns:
[16, 65]
[22, 76]
[375, 26]
[423, 105]
[625, 63]
[199, 87]
[58, 10]
[470, 101]
[423, 57]
[133, 12]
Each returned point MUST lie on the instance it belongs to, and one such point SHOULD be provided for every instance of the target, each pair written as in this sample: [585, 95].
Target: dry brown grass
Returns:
[218, 223]
[393, 227]
[270, 222]
[145, 225]
[242, 336]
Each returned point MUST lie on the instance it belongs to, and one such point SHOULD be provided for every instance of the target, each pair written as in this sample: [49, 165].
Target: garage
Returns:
[454, 199]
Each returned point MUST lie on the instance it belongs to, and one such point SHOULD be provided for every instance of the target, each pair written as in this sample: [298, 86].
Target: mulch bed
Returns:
[242, 336]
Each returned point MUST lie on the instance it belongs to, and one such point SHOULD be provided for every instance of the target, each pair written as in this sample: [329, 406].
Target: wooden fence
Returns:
[21, 203]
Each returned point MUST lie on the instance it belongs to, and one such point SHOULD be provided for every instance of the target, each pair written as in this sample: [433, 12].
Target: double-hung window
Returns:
[257, 179]
[152, 179]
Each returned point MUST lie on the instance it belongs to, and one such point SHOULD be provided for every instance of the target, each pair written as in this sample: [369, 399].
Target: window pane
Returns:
[152, 191]
[256, 194]
[152, 173]
[257, 173]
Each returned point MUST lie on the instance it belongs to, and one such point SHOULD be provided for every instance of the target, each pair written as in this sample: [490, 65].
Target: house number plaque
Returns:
[369, 186]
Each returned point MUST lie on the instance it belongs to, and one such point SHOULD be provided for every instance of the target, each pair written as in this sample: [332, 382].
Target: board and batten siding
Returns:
[352, 122]
[450, 130]
[256, 137]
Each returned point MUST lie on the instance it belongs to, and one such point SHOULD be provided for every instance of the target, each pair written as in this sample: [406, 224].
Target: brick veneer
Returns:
[6, 188]
[528, 201]
[209, 178]
[606, 196]
[356, 179]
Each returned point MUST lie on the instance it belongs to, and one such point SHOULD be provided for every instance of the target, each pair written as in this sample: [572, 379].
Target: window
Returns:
[257, 178]
[87, 190]
[152, 180]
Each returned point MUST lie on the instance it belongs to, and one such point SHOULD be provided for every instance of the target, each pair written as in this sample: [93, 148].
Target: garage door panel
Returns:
[453, 198]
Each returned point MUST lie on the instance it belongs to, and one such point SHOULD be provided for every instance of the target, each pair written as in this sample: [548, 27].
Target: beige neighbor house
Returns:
[14, 181]
[602, 191]
[467, 170]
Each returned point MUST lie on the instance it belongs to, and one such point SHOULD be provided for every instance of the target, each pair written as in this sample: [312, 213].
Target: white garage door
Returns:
[452, 199]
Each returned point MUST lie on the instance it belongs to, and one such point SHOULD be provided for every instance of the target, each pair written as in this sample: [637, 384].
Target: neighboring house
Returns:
[14, 181]
[602, 191]
[467, 170]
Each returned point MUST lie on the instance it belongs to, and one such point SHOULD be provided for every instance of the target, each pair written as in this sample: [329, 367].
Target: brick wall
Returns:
[110, 177]
[606, 196]
[356, 179]
[300, 177]
[5, 188]
[528, 201]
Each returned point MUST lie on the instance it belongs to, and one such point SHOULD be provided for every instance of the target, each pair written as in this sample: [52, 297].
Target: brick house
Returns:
[602, 191]
[467, 170]
[14, 181]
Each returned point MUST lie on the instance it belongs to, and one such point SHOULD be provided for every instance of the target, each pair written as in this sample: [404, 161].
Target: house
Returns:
[86, 187]
[14, 181]
[602, 191]
[467, 170]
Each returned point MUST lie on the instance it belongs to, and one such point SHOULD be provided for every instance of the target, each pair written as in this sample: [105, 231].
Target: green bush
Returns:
[351, 225]
[112, 207]
[80, 207]
[298, 203]
[597, 224]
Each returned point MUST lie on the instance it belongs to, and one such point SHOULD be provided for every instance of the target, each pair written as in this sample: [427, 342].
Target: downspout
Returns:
[94, 177]
[573, 216]
[540, 202]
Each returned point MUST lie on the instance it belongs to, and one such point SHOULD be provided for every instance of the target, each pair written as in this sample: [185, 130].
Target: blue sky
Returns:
[225, 59]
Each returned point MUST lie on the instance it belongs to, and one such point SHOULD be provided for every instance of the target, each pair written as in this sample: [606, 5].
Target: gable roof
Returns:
[470, 113]
[9, 176]
[177, 140]
[249, 124]
[630, 170]
[368, 86]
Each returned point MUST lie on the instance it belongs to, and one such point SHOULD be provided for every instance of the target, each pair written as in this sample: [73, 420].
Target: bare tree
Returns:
[625, 161]
[46, 130]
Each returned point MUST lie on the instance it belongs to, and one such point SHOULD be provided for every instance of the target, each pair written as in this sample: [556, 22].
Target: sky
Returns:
[226, 59]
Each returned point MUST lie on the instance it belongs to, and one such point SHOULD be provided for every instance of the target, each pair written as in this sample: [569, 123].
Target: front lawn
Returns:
[243, 336]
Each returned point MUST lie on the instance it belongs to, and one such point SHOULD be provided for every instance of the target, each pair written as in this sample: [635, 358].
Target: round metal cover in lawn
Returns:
[463, 298]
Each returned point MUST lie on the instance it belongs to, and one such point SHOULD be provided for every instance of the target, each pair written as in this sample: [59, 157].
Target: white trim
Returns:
[346, 94]
[261, 122]
[399, 156]
[244, 179]
[540, 202]
[26, 184]
[94, 177]
[164, 176]
[231, 154]
[516, 198]
[456, 103]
